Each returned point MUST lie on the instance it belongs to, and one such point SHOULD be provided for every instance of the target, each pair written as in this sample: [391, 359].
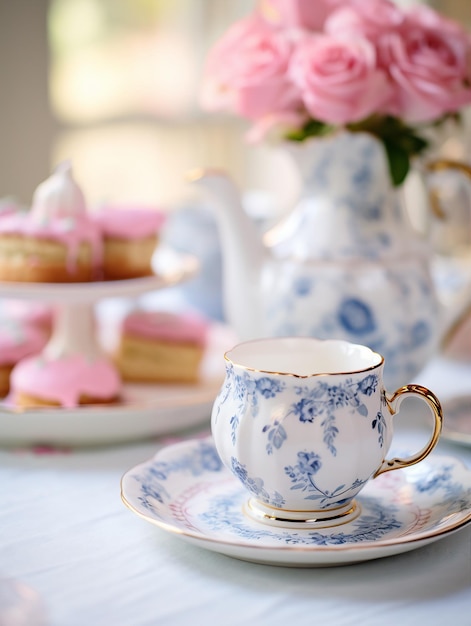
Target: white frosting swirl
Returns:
[58, 196]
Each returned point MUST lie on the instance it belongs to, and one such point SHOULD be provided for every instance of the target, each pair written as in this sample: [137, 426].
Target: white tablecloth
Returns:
[75, 556]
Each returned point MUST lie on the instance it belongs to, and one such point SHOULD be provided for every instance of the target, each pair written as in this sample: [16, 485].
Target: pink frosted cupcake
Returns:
[17, 341]
[68, 381]
[56, 241]
[130, 237]
[161, 347]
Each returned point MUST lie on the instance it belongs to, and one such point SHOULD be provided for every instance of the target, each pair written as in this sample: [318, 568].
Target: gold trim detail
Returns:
[275, 373]
[441, 165]
[198, 536]
[436, 409]
[301, 519]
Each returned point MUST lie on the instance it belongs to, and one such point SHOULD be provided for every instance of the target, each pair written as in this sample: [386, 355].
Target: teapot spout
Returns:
[242, 253]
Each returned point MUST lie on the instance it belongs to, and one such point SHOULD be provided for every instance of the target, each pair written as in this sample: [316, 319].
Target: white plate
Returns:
[147, 409]
[170, 269]
[457, 419]
[185, 490]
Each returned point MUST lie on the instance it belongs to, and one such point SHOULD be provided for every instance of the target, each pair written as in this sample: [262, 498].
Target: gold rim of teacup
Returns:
[276, 373]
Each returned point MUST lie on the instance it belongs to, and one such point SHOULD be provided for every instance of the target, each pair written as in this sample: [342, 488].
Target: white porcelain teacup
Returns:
[305, 423]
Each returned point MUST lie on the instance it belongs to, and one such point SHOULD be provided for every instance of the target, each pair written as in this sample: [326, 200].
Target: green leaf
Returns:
[401, 142]
[312, 128]
[410, 143]
[398, 161]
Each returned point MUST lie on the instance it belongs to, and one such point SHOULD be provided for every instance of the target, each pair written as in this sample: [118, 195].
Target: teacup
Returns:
[305, 423]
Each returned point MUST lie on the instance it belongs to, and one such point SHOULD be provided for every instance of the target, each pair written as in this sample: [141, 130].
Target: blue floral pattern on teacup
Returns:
[247, 389]
[302, 475]
[274, 404]
[320, 401]
[256, 485]
[324, 399]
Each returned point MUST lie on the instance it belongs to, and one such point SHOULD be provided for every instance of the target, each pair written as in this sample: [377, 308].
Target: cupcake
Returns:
[56, 241]
[130, 237]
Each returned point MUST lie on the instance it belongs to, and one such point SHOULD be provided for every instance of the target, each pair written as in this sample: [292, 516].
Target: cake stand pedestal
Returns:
[146, 410]
[74, 330]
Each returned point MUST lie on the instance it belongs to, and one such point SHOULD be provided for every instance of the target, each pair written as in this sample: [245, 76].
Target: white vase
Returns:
[345, 264]
[348, 263]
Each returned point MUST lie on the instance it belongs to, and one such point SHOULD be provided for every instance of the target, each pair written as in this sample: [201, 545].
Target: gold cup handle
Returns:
[393, 404]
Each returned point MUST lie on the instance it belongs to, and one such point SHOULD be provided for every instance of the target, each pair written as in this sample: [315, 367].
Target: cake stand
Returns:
[145, 409]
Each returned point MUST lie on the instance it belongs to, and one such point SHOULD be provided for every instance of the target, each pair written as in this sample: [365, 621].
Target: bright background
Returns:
[112, 85]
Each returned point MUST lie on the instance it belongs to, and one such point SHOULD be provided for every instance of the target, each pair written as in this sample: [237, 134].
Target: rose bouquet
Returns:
[304, 68]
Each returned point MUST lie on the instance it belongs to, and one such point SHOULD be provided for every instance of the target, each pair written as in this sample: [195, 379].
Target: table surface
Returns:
[71, 554]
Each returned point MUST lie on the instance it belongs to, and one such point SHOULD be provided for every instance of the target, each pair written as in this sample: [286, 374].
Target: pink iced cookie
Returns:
[161, 347]
[67, 381]
[170, 327]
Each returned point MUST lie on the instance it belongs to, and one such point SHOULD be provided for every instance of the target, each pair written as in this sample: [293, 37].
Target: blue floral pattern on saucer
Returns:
[186, 490]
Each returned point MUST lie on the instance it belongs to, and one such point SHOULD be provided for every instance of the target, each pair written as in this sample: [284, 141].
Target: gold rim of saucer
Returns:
[283, 518]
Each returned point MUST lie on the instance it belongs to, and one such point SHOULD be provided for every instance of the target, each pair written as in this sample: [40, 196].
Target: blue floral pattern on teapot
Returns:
[344, 264]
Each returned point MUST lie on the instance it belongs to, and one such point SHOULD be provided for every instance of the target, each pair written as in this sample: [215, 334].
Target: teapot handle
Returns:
[440, 165]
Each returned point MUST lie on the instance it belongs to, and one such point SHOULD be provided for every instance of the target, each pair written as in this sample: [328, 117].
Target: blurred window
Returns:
[124, 81]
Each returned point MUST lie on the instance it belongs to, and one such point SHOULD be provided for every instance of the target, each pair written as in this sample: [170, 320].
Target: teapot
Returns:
[345, 263]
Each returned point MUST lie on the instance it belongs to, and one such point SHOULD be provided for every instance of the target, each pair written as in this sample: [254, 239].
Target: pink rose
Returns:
[246, 71]
[305, 14]
[368, 18]
[429, 65]
[338, 78]
[425, 17]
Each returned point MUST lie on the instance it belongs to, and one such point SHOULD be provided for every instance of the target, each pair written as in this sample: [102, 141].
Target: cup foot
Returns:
[283, 518]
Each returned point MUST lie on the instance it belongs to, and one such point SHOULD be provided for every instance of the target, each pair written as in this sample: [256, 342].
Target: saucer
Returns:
[187, 491]
[457, 419]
